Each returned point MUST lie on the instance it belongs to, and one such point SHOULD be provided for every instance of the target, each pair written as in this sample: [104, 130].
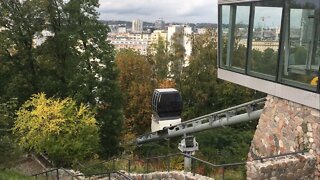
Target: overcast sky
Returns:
[194, 11]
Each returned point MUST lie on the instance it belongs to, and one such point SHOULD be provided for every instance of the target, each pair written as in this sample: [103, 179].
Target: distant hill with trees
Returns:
[128, 24]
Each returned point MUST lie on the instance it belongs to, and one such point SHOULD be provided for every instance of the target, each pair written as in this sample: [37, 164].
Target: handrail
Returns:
[163, 156]
[214, 165]
[147, 160]
[122, 174]
[228, 164]
[72, 175]
[280, 155]
[56, 169]
[92, 165]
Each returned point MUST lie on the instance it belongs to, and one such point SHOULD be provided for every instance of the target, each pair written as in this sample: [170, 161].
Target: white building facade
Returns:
[186, 39]
[137, 25]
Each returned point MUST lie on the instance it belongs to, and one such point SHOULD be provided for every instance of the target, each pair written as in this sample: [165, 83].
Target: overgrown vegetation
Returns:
[59, 48]
[9, 150]
[12, 175]
[58, 127]
[78, 70]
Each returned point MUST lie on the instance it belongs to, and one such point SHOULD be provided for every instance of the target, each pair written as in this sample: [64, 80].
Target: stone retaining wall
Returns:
[284, 168]
[285, 127]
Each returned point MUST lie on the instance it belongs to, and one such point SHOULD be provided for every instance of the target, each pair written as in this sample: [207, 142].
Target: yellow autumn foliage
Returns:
[58, 127]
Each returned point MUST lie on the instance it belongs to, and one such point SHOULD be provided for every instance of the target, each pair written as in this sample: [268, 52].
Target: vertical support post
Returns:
[187, 162]
[193, 167]
[168, 157]
[148, 166]
[222, 177]
[57, 174]
[168, 163]
[318, 85]
[46, 175]
[283, 61]
[109, 175]
[113, 164]
[129, 166]
[249, 40]
[232, 21]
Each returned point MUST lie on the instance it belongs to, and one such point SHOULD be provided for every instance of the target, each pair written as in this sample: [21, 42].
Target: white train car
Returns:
[166, 108]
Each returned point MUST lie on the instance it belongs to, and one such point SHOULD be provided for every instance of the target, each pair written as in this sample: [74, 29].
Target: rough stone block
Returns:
[315, 113]
[289, 176]
[309, 127]
[309, 134]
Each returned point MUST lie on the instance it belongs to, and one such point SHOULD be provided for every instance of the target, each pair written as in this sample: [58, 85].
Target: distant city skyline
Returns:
[181, 11]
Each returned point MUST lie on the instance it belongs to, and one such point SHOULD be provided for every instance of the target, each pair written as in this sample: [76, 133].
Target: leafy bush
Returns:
[9, 151]
[61, 129]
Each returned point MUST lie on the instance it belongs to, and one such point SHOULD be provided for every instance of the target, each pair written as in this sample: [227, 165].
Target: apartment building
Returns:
[185, 41]
[137, 25]
[140, 46]
[157, 34]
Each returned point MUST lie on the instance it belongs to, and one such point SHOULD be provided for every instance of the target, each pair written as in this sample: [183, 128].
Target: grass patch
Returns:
[12, 175]
[231, 174]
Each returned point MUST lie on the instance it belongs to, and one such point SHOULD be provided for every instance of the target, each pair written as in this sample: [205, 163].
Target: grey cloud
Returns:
[150, 10]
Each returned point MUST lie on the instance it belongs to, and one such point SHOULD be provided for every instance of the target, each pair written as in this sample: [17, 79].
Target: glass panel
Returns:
[239, 56]
[316, 61]
[235, 22]
[224, 33]
[315, 82]
[265, 40]
[302, 45]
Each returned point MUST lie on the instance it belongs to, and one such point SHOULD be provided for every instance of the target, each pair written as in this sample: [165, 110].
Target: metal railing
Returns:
[56, 174]
[222, 166]
[147, 163]
[280, 155]
[193, 170]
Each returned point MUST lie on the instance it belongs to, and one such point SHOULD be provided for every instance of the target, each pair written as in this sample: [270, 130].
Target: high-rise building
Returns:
[137, 25]
[159, 24]
[122, 29]
[185, 41]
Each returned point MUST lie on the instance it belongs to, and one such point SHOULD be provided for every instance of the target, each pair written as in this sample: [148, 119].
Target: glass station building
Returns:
[272, 46]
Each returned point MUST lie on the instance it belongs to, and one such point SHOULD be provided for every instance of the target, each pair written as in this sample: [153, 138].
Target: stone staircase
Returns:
[28, 166]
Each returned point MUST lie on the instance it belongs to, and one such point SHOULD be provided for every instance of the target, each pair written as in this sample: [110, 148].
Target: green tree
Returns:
[159, 59]
[60, 48]
[225, 145]
[204, 93]
[20, 22]
[64, 131]
[199, 78]
[264, 61]
[177, 58]
[8, 148]
[135, 82]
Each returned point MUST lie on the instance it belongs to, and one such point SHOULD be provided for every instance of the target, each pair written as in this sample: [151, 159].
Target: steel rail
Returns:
[213, 120]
